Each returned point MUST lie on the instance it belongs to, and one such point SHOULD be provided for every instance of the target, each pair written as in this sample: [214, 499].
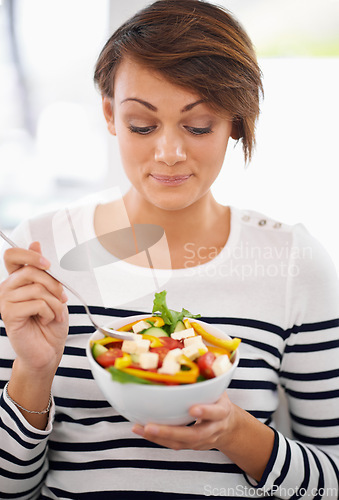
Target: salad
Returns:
[168, 348]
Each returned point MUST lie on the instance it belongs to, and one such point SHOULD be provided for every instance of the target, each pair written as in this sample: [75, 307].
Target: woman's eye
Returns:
[141, 130]
[199, 130]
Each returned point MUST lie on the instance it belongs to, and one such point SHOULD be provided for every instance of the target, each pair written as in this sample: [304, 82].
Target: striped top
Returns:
[273, 286]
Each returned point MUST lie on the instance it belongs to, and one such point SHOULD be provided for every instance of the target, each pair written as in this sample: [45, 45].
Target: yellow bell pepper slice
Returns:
[182, 377]
[155, 341]
[229, 345]
[218, 351]
[123, 362]
[187, 323]
[105, 340]
[156, 320]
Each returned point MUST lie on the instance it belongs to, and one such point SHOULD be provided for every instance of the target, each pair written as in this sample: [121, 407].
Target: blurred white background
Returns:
[54, 147]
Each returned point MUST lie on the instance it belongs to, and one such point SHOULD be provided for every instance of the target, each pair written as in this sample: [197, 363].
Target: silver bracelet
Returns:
[42, 412]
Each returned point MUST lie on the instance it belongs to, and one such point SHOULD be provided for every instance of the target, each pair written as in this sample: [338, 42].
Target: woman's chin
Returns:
[165, 198]
[172, 201]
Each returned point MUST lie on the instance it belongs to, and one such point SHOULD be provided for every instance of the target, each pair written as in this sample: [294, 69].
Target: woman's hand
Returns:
[32, 306]
[224, 426]
[214, 423]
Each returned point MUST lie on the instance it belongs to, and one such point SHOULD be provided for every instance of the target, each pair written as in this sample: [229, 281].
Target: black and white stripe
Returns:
[90, 441]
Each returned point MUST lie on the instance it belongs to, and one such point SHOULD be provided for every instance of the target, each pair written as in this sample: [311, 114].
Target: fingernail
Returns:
[138, 429]
[64, 297]
[196, 412]
[44, 262]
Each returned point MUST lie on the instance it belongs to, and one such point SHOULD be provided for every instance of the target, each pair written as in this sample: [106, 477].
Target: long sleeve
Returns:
[23, 463]
[308, 465]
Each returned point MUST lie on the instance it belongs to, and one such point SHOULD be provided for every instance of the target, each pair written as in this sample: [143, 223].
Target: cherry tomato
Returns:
[162, 351]
[108, 358]
[171, 343]
[205, 364]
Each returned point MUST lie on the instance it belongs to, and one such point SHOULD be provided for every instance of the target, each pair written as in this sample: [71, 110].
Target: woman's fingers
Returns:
[15, 258]
[197, 437]
[28, 309]
[33, 309]
[212, 412]
[28, 274]
[37, 292]
[29, 290]
[212, 421]
[35, 246]
[27, 266]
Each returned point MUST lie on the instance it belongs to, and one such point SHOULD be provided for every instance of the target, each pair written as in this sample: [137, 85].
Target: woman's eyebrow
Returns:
[192, 105]
[144, 103]
[150, 106]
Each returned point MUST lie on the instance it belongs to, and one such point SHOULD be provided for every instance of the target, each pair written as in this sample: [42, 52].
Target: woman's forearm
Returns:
[32, 392]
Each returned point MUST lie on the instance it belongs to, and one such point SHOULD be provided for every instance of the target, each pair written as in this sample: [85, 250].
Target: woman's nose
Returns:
[169, 149]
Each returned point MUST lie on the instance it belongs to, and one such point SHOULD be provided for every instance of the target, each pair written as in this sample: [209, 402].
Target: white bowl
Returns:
[169, 405]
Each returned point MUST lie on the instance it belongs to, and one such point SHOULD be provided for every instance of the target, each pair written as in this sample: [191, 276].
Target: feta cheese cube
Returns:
[135, 346]
[140, 326]
[129, 346]
[221, 365]
[170, 366]
[198, 343]
[174, 354]
[183, 334]
[143, 346]
[193, 340]
[191, 351]
[148, 360]
[136, 336]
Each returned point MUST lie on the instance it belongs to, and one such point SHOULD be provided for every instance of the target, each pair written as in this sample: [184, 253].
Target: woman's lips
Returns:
[170, 180]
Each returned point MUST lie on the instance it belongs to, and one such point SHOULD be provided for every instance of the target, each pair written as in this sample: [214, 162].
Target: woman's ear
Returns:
[236, 130]
[107, 107]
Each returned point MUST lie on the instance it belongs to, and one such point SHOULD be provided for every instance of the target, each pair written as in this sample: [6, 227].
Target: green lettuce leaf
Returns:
[169, 316]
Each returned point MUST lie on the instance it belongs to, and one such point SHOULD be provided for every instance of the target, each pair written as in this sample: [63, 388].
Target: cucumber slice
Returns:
[156, 331]
[98, 349]
[135, 358]
[179, 326]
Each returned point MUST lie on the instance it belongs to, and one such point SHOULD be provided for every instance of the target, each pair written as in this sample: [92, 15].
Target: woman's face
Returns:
[172, 144]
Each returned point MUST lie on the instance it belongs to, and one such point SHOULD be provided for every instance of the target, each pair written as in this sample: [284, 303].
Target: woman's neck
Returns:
[194, 235]
[187, 222]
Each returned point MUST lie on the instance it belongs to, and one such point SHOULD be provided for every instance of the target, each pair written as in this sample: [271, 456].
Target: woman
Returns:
[178, 80]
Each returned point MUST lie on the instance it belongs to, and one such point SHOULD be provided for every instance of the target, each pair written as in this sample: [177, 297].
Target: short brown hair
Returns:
[196, 45]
